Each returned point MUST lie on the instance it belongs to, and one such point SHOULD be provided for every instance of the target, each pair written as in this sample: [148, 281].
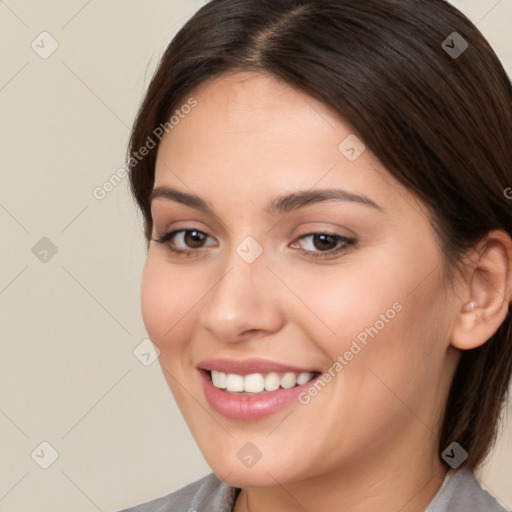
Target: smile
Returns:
[252, 389]
[258, 382]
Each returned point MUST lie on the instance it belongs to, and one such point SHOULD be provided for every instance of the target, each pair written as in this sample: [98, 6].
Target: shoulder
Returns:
[208, 493]
[461, 492]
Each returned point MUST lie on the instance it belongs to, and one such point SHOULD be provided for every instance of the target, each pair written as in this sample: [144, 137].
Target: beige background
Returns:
[69, 325]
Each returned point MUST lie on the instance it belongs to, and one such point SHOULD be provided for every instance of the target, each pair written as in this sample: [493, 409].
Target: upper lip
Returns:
[248, 366]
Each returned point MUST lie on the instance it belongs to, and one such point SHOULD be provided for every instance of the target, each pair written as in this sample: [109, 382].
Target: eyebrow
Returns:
[281, 204]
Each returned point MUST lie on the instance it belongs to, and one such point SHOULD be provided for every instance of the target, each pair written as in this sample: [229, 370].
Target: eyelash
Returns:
[345, 243]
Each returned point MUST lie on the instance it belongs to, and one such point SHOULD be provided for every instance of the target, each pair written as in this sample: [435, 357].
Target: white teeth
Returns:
[258, 382]
[254, 383]
[272, 381]
[219, 379]
[303, 378]
[234, 382]
[288, 380]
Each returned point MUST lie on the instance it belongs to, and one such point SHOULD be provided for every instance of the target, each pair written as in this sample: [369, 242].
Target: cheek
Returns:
[167, 301]
[338, 303]
[392, 308]
[396, 315]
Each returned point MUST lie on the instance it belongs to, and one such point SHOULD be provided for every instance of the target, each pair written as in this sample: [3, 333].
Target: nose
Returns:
[244, 299]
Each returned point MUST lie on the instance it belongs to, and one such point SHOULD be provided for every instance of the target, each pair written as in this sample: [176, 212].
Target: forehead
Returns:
[251, 119]
[251, 135]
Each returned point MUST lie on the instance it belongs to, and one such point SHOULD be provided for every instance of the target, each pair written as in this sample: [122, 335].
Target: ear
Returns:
[488, 292]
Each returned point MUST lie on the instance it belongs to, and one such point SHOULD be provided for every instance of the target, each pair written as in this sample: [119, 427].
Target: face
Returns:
[306, 260]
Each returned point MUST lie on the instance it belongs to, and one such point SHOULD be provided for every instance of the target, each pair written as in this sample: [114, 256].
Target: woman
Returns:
[329, 266]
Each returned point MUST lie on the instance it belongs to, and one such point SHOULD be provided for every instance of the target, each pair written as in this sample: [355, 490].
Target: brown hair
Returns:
[440, 124]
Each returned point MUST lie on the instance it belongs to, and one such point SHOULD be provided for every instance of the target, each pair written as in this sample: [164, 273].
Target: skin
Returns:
[368, 440]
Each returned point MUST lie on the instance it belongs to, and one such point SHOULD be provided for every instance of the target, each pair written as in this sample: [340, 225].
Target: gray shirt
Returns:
[460, 492]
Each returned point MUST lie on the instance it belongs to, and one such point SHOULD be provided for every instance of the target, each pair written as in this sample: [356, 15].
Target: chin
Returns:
[250, 477]
[261, 474]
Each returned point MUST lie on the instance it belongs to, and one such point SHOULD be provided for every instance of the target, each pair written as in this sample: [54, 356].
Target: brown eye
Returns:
[324, 242]
[318, 245]
[194, 239]
[183, 241]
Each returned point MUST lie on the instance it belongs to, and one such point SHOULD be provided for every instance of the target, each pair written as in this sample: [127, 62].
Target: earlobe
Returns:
[467, 333]
[489, 288]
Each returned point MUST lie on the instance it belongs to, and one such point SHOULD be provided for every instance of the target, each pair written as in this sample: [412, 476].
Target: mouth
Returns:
[253, 389]
[251, 395]
[258, 383]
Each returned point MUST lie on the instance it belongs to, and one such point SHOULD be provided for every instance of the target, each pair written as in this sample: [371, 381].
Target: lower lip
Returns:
[250, 407]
